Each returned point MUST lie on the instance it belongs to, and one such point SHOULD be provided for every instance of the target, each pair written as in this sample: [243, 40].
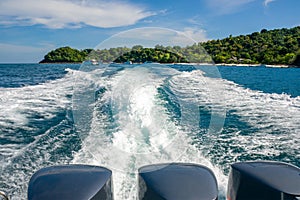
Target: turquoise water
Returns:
[123, 117]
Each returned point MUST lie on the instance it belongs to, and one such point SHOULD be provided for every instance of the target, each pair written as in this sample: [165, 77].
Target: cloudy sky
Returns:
[30, 28]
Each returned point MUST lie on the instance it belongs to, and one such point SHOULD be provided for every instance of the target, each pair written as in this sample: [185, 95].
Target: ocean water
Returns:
[123, 117]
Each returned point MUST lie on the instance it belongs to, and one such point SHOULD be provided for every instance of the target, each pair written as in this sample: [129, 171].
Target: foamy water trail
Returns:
[138, 131]
[138, 116]
[21, 106]
[272, 120]
[35, 126]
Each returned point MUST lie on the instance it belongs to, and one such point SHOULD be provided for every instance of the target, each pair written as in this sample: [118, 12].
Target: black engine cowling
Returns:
[71, 182]
[263, 181]
[177, 181]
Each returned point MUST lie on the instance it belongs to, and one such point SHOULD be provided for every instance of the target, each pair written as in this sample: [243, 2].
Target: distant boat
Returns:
[91, 62]
[94, 62]
[129, 62]
[150, 62]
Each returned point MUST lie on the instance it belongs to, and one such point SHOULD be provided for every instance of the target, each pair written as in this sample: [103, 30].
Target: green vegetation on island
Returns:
[66, 55]
[279, 47]
[153, 55]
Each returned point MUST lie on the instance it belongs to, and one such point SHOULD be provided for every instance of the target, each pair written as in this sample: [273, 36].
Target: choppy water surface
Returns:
[124, 117]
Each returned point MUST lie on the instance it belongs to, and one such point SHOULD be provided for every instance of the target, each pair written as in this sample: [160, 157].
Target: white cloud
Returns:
[146, 36]
[70, 13]
[199, 35]
[227, 6]
[196, 20]
[266, 2]
[151, 36]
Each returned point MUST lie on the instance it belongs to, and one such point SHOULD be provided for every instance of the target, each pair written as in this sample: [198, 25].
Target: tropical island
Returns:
[270, 47]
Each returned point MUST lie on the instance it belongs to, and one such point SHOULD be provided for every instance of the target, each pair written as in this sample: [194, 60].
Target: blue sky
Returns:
[31, 28]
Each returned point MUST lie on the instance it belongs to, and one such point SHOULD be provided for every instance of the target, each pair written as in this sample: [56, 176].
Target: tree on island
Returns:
[279, 46]
[296, 62]
[66, 55]
[138, 54]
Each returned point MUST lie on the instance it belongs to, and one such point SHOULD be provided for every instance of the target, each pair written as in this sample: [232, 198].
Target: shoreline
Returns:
[242, 65]
[59, 62]
[218, 64]
[258, 65]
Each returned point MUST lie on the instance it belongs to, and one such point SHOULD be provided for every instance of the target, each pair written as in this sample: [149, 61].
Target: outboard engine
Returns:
[176, 181]
[263, 181]
[3, 196]
[71, 182]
